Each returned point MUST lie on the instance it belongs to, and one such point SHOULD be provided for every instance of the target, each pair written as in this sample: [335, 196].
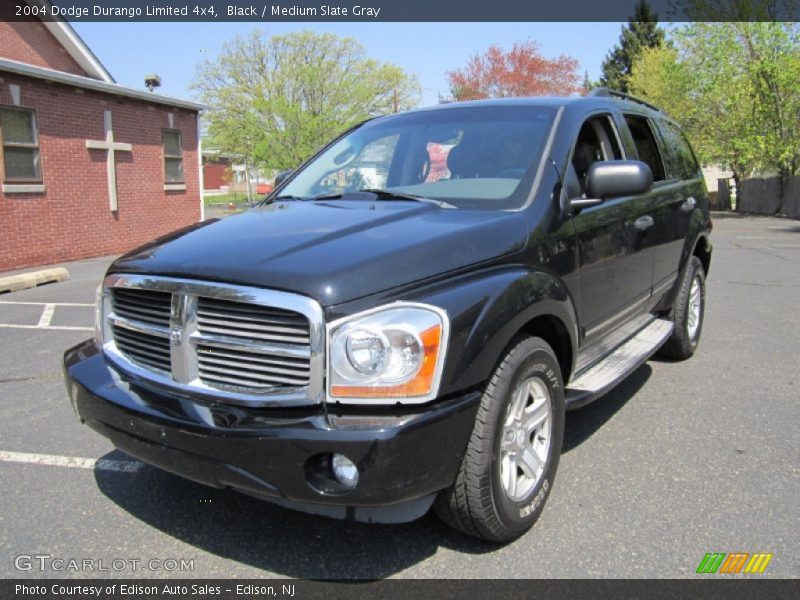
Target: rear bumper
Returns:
[401, 457]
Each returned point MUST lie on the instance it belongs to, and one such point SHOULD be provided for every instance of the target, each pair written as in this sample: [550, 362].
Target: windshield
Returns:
[470, 157]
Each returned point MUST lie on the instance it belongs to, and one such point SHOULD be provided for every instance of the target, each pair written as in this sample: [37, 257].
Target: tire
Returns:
[688, 328]
[479, 502]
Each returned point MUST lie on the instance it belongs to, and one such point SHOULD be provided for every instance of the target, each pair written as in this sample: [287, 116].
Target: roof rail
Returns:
[604, 92]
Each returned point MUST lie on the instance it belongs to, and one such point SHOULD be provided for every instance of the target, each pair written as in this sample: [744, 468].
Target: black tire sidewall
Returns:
[540, 362]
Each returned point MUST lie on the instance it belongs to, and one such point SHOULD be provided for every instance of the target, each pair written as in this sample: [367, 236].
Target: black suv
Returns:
[404, 321]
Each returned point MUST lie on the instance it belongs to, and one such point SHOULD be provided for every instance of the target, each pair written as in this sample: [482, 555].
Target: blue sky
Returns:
[131, 50]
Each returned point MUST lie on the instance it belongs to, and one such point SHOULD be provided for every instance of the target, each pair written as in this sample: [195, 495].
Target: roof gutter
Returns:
[87, 83]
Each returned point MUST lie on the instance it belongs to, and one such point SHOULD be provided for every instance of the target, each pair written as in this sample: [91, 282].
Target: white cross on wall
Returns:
[110, 146]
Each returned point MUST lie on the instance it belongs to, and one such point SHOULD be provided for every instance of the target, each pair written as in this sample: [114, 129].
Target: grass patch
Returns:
[235, 197]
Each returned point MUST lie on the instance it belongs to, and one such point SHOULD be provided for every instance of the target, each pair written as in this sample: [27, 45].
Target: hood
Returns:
[332, 251]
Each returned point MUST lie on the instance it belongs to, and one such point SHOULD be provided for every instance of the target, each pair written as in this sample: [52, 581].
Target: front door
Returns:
[614, 249]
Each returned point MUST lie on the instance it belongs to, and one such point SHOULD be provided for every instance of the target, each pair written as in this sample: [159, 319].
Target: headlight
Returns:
[390, 354]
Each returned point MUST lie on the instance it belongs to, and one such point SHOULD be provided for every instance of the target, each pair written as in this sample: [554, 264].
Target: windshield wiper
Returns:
[381, 194]
[287, 197]
[269, 200]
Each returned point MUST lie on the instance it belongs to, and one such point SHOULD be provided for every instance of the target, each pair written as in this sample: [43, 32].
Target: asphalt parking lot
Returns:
[680, 460]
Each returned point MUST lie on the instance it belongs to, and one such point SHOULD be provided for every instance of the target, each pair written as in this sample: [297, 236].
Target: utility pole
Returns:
[247, 181]
[395, 99]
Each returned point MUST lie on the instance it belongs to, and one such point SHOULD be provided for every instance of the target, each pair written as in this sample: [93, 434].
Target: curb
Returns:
[727, 214]
[23, 281]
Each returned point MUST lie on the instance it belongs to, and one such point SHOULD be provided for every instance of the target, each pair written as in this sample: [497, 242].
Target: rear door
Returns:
[685, 187]
[652, 225]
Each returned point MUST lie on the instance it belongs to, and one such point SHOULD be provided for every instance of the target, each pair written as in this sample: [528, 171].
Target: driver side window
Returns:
[597, 140]
[370, 169]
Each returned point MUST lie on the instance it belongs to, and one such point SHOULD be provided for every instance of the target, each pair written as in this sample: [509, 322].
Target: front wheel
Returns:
[512, 456]
[688, 313]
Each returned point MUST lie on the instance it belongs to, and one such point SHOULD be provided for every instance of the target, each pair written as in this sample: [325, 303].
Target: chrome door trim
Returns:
[689, 204]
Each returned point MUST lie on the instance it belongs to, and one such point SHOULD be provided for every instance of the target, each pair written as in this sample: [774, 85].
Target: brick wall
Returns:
[30, 42]
[214, 174]
[71, 219]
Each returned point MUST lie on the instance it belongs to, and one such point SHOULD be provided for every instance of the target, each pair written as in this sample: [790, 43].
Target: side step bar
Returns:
[611, 370]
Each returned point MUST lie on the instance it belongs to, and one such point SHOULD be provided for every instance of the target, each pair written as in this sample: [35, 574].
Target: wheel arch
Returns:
[488, 312]
[553, 331]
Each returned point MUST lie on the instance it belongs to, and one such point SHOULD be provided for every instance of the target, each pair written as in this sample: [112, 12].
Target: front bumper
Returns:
[403, 458]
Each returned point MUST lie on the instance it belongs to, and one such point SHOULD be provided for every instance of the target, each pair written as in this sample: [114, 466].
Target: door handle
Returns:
[644, 223]
[689, 204]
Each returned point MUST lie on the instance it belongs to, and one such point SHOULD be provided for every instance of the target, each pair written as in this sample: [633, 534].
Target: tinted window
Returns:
[683, 164]
[476, 157]
[646, 146]
[596, 141]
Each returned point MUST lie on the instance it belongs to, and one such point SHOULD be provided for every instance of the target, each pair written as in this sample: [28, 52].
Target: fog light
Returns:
[344, 470]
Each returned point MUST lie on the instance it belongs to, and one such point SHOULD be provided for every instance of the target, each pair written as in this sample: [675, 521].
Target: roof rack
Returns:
[604, 92]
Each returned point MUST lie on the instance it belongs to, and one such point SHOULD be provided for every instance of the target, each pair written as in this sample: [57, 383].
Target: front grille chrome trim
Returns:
[185, 338]
[230, 343]
[138, 326]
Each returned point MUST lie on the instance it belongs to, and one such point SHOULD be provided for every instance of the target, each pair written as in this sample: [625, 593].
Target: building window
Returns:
[173, 156]
[20, 145]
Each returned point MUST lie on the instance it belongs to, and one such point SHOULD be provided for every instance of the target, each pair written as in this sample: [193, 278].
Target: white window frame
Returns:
[20, 181]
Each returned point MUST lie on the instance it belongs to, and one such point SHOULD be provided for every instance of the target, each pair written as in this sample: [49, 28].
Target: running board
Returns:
[611, 370]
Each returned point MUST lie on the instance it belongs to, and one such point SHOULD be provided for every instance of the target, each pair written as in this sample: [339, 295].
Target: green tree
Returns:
[733, 86]
[641, 32]
[588, 84]
[276, 100]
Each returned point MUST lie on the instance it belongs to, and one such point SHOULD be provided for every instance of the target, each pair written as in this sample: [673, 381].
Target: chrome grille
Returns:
[237, 319]
[236, 344]
[264, 364]
[142, 305]
[249, 368]
[143, 348]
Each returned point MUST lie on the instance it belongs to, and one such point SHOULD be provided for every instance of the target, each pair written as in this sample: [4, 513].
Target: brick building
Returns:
[88, 167]
[217, 170]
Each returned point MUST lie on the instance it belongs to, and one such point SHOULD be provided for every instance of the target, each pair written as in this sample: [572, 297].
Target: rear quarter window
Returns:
[681, 161]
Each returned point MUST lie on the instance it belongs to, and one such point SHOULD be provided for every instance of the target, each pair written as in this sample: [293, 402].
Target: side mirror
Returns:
[614, 178]
[281, 177]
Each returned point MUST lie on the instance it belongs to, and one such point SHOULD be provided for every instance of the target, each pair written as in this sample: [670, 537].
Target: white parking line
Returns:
[47, 315]
[46, 303]
[72, 462]
[49, 327]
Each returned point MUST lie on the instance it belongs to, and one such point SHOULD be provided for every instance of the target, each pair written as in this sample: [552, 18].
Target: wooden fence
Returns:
[761, 196]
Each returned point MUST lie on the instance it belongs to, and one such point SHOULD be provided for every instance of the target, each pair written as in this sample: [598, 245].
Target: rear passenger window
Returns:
[646, 145]
[683, 164]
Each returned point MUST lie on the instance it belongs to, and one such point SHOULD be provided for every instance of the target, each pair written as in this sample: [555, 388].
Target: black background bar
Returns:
[707, 587]
[260, 11]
